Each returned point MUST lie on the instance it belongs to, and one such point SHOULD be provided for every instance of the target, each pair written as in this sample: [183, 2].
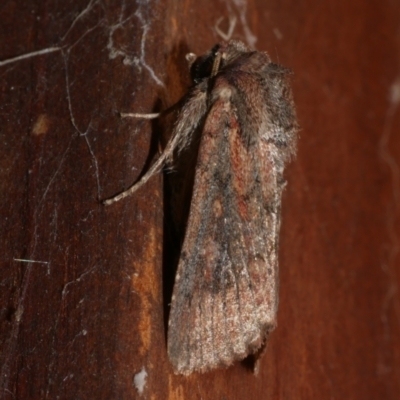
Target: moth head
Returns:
[208, 65]
[202, 67]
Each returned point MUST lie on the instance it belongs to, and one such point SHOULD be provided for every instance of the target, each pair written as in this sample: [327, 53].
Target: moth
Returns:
[225, 298]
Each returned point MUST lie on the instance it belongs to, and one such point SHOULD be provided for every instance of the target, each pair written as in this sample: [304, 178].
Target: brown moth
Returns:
[225, 297]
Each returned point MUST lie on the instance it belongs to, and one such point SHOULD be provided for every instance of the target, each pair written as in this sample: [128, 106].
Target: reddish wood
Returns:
[88, 315]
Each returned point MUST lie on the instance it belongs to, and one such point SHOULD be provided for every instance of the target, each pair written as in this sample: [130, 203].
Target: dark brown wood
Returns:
[87, 313]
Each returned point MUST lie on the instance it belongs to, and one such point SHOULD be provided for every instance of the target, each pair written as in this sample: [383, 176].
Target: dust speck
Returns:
[42, 125]
[140, 380]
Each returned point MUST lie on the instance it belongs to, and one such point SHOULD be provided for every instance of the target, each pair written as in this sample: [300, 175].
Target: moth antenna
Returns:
[216, 64]
[152, 171]
[158, 165]
[155, 169]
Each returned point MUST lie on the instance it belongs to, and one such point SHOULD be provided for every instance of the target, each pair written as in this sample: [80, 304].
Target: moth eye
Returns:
[201, 68]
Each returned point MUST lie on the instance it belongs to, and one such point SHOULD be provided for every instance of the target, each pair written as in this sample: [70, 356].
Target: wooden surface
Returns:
[86, 315]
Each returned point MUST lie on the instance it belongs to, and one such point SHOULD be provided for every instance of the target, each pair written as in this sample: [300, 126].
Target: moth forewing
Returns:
[225, 296]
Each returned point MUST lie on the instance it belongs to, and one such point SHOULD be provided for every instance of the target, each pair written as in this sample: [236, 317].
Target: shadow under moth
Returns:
[225, 296]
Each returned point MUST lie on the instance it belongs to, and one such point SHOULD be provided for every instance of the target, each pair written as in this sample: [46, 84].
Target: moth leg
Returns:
[190, 58]
[150, 115]
[143, 116]
[138, 115]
